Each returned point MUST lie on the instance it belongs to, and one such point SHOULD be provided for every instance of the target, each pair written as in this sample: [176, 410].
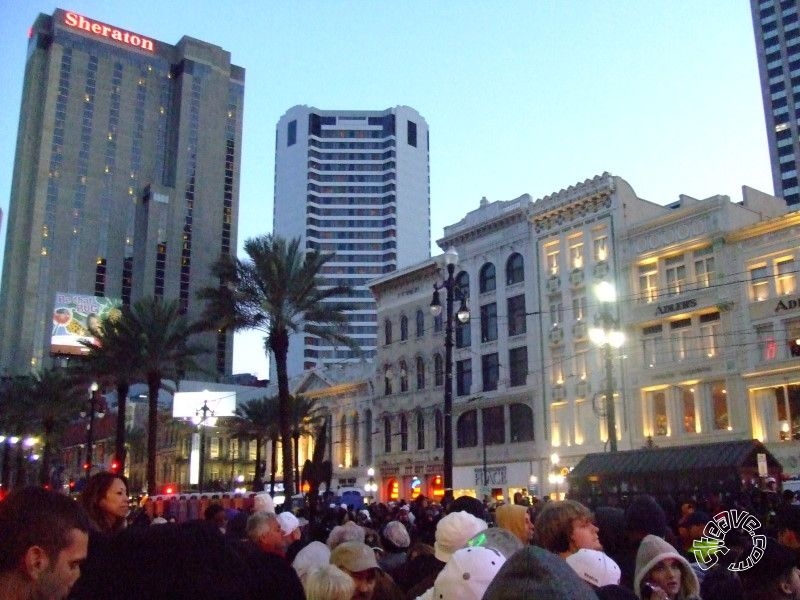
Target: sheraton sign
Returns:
[101, 29]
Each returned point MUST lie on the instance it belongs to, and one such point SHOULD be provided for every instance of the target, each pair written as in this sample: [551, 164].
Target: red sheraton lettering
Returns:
[118, 35]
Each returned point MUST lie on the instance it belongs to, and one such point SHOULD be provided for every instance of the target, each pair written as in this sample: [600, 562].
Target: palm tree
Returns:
[15, 420]
[159, 335]
[306, 417]
[259, 419]
[56, 397]
[277, 291]
[112, 361]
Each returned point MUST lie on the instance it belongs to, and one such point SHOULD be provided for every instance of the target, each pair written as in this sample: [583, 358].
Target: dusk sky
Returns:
[520, 96]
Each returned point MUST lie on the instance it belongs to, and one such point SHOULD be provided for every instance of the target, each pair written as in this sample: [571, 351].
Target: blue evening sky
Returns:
[520, 96]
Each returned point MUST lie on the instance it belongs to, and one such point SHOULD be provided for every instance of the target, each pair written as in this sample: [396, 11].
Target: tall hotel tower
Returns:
[126, 178]
[356, 184]
[777, 32]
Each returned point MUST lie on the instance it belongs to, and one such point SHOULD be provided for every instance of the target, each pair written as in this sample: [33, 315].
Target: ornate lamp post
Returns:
[96, 409]
[608, 336]
[449, 285]
[371, 488]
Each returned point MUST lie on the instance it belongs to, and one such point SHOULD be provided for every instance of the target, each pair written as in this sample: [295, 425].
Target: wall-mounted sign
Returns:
[675, 306]
[77, 21]
[792, 304]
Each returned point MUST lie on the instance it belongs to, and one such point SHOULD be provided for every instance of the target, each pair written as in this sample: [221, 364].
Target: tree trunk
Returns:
[153, 385]
[258, 476]
[119, 446]
[44, 474]
[279, 342]
[273, 465]
[296, 440]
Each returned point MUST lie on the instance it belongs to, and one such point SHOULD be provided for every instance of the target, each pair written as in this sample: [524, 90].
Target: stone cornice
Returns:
[490, 217]
[572, 204]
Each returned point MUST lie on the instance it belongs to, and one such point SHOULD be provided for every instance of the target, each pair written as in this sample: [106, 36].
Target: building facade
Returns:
[126, 177]
[777, 35]
[356, 184]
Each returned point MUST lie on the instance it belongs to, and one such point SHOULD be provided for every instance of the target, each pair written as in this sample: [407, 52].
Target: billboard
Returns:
[72, 315]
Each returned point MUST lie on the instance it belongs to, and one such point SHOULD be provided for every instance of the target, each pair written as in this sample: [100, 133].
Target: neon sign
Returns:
[118, 35]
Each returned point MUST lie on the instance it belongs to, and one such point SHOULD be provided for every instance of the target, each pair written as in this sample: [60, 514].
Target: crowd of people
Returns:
[54, 547]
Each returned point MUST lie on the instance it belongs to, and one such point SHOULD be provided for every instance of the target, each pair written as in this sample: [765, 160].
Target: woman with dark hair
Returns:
[105, 500]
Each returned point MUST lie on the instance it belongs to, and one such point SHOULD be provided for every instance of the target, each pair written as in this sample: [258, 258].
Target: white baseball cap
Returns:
[289, 522]
[594, 567]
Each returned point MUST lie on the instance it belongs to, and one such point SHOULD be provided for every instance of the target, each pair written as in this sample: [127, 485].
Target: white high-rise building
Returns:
[354, 183]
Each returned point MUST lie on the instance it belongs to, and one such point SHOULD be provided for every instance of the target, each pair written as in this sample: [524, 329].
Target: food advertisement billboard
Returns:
[73, 315]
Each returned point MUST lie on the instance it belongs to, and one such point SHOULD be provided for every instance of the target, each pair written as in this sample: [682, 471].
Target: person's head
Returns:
[659, 564]
[453, 531]
[264, 531]
[395, 537]
[105, 500]
[328, 582]
[43, 541]
[645, 516]
[349, 532]
[517, 519]
[468, 504]
[309, 558]
[695, 523]
[290, 527]
[467, 574]
[215, 513]
[595, 567]
[787, 526]
[534, 572]
[263, 503]
[565, 527]
[357, 560]
[775, 575]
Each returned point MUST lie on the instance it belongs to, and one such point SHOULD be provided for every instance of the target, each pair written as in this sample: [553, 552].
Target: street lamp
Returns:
[96, 409]
[608, 336]
[203, 420]
[371, 488]
[449, 285]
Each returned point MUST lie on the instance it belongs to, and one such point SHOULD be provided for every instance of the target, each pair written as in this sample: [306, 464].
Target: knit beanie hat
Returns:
[467, 574]
[310, 557]
[453, 531]
[644, 514]
[263, 503]
[652, 550]
[534, 573]
[349, 532]
[512, 517]
[397, 534]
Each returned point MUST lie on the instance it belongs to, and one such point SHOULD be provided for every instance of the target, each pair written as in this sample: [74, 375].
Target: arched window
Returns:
[438, 426]
[515, 271]
[462, 282]
[403, 376]
[438, 370]
[420, 323]
[420, 373]
[403, 433]
[420, 431]
[403, 328]
[387, 434]
[467, 430]
[387, 380]
[487, 281]
[521, 419]
[387, 331]
[354, 437]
